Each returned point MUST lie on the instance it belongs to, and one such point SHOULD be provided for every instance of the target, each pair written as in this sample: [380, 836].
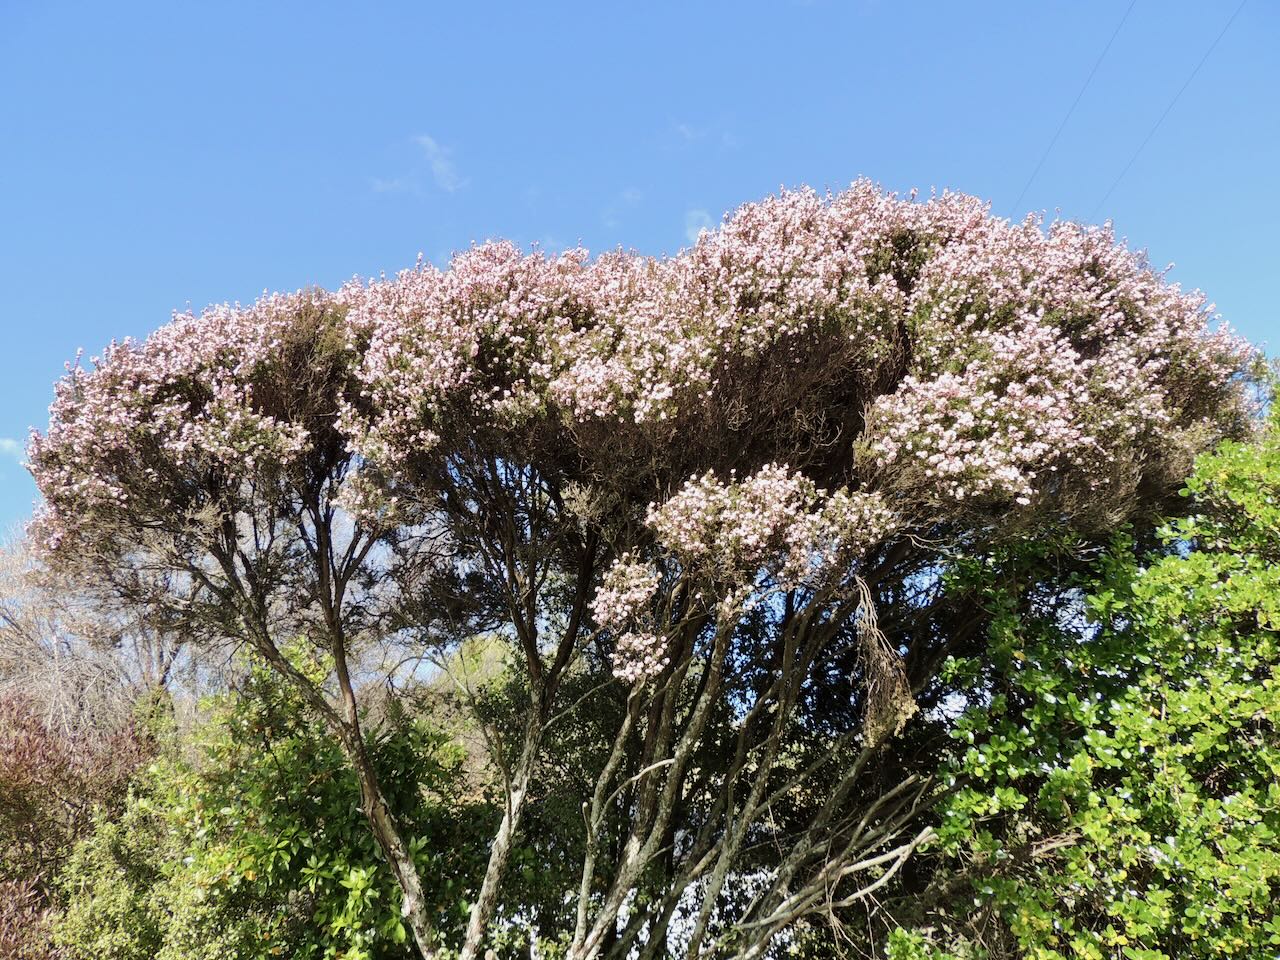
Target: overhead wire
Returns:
[1152, 132]
[1072, 109]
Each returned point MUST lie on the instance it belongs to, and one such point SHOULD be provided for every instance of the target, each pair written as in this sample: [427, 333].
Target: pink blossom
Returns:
[923, 365]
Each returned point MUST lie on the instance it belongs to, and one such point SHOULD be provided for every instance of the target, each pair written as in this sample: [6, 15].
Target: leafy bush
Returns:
[1120, 796]
[251, 843]
[25, 927]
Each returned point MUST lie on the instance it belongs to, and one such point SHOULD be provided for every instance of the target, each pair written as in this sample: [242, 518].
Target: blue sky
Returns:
[161, 155]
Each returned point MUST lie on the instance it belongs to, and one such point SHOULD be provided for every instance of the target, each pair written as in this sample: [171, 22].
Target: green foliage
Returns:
[54, 780]
[252, 844]
[1119, 795]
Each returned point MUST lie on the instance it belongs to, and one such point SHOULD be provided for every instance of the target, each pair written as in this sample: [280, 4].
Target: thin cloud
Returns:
[439, 165]
[10, 447]
[628, 199]
[689, 133]
[394, 185]
[440, 158]
[715, 134]
[695, 221]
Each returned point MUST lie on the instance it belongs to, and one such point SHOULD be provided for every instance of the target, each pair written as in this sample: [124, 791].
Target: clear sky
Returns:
[159, 155]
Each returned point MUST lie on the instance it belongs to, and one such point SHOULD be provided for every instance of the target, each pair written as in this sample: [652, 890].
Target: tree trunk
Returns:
[500, 849]
[344, 725]
[412, 904]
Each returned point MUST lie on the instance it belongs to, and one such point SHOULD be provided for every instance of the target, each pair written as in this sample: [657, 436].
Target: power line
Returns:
[1152, 132]
[1072, 109]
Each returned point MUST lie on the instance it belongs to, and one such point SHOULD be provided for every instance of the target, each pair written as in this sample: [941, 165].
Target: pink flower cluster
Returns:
[622, 335]
[478, 338]
[776, 520]
[621, 603]
[968, 361]
[624, 592]
[638, 656]
[1040, 354]
[1025, 346]
[186, 395]
[774, 524]
[1020, 407]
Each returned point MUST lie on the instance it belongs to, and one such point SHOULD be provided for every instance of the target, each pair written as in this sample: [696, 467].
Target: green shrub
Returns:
[252, 844]
[1120, 794]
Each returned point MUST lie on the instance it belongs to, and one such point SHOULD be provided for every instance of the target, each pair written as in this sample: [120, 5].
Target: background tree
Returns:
[52, 784]
[76, 695]
[76, 657]
[727, 485]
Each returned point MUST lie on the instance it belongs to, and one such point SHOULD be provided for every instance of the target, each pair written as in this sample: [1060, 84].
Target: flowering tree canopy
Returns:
[730, 478]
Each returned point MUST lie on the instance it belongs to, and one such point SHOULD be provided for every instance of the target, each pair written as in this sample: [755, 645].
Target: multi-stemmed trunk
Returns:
[500, 849]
